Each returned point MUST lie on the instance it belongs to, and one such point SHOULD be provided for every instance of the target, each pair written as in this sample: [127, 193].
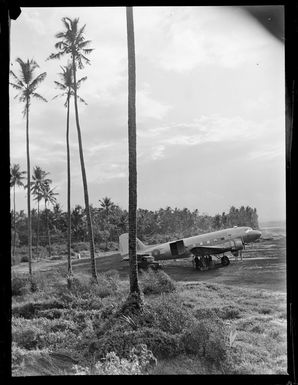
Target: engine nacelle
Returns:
[155, 253]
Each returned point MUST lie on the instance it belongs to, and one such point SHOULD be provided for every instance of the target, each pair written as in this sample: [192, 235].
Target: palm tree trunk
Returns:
[37, 239]
[28, 192]
[132, 154]
[48, 231]
[69, 267]
[86, 196]
[14, 220]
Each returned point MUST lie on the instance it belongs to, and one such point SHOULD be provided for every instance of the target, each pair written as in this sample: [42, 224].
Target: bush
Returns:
[27, 337]
[20, 285]
[24, 258]
[162, 344]
[168, 314]
[207, 338]
[140, 358]
[84, 287]
[80, 246]
[30, 309]
[156, 282]
[44, 333]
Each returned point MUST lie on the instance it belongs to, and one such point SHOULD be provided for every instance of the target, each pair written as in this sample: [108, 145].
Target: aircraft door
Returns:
[177, 248]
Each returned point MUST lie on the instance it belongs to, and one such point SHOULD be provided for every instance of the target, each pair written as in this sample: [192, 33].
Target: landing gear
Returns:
[198, 264]
[202, 263]
[225, 260]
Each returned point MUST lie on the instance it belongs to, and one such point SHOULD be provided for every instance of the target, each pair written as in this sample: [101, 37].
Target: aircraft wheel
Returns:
[225, 261]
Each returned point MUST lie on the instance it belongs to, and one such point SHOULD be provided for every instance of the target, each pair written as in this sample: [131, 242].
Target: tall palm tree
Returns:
[72, 42]
[67, 87]
[27, 85]
[39, 180]
[48, 195]
[16, 177]
[132, 154]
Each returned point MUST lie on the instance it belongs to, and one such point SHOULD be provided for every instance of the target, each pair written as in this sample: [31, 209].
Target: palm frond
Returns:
[16, 86]
[38, 96]
[86, 59]
[88, 51]
[80, 81]
[60, 35]
[56, 55]
[16, 78]
[61, 86]
[82, 100]
[27, 69]
[37, 81]
[67, 22]
[81, 31]
[57, 96]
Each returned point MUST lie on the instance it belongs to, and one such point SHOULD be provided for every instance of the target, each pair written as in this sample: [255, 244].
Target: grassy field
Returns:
[225, 321]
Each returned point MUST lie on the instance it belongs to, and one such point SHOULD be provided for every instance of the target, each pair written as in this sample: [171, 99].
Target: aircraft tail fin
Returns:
[123, 244]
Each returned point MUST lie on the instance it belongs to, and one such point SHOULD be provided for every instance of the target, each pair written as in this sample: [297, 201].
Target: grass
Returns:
[193, 328]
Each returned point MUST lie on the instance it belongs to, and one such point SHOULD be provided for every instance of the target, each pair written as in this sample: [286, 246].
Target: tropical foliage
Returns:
[152, 226]
[16, 177]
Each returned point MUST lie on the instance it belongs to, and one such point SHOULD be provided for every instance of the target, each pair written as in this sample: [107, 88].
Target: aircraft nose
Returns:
[255, 234]
[252, 236]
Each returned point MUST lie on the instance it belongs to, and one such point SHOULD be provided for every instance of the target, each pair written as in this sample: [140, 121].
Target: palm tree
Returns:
[48, 195]
[27, 86]
[67, 87]
[132, 154]
[38, 183]
[107, 205]
[72, 42]
[16, 177]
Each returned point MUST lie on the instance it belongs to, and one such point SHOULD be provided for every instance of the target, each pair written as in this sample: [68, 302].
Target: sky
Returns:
[210, 109]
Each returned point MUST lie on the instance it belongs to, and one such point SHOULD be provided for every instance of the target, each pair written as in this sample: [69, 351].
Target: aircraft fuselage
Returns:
[232, 239]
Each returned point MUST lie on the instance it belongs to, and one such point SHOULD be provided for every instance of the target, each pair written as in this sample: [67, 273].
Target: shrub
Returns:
[168, 314]
[207, 338]
[229, 312]
[140, 358]
[80, 246]
[84, 287]
[19, 285]
[156, 282]
[30, 309]
[27, 337]
[44, 333]
[161, 344]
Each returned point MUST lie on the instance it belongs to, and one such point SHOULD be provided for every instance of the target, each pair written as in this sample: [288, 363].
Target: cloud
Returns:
[148, 107]
[188, 37]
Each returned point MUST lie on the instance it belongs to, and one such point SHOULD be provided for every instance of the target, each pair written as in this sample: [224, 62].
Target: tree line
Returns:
[109, 221]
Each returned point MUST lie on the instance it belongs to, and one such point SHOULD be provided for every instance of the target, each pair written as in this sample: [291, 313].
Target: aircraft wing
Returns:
[209, 250]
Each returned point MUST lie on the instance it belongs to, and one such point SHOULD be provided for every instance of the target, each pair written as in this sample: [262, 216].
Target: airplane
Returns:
[200, 247]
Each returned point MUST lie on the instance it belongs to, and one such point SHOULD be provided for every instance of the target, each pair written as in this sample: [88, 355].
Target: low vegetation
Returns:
[192, 328]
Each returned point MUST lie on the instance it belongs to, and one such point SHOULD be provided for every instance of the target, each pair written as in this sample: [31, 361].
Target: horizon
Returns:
[210, 109]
